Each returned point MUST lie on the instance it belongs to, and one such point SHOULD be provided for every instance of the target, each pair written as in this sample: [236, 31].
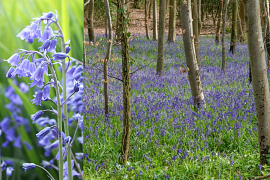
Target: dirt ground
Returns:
[137, 24]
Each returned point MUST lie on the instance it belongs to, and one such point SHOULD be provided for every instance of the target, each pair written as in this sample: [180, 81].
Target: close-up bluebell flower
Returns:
[38, 97]
[45, 45]
[52, 45]
[76, 86]
[43, 132]
[59, 56]
[46, 91]
[23, 87]
[28, 166]
[10, 71]
[9, 171]
[14, 59]
[37, 115]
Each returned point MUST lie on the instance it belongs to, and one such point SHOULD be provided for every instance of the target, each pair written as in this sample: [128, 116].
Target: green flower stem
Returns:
[0, 165]
[64, 76]
[59, 119]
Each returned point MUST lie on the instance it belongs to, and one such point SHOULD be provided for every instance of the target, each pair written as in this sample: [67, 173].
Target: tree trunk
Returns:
[146, 18]
[118, 23]
[161, 38]
[149, 8]
[154, 20]
[106, 29]
[125, 81]
[219, 22]
[195, 25]
[199, 3]
[234, 26]
[90, 20]
[172, 16]
[242, 16]
[202, 10]
[239, 29]
[193, 72]
[259, 74]
[107, 58]
[225, 5]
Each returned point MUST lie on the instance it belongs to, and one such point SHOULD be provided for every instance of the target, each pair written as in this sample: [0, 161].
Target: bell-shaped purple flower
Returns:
[10, 71]
[38, 98]
[55, 144]
[32, 68]
[17, 142]
[48, 15]
[28, 166]
[9, 171]
[45, 45]
[46, 92]
[46, 34]
[37, 83]
[38, 74]
[52, 46]
[67, 48]
[29, 147]
[14, 59]
[76, 86]
[43, 133]
[59, 56]
[37, 115]
[23, 87]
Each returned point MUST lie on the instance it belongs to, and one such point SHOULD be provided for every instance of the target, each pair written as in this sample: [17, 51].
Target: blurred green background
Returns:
[14, 16]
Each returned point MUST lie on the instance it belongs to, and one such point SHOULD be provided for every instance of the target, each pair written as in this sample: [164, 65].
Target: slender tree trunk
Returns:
[219, 22]
[234, 26]
[125, 81]
[154, 20]
[199, 3]
[225, 5]
[202, 10]
[118, 24]
[242, 16]
[106, 29]
[107, 58]
[172, 18]
[239, 29]
[149, 9]
[193, 72]
[90, 20]
[259, 74]
[161, 38]
[195, 25]
[146, 18]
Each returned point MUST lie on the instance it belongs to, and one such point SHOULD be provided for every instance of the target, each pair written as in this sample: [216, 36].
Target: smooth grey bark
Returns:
[123, 15]
[219, 22]
[234, 25]
[90, 21]
[224, 13]
[192, 64]
[172, 19]
[154, 20]
[107, 58]
[242, 16]
[161, 37]
[259, 74]
[146, 18]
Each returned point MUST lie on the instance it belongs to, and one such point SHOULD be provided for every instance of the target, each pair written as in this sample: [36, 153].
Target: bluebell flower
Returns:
[48, 15]
[4, 124]
[47, 34]
[5, 144]
[59, 56]
[46, 92]
[25, 66]
[67, 139]
[10, 134]
[23, 87]
[9, 171]
[54, 144]
[3, 165]
[10, 71]
[36, 116]
[17, 142]
[38, 97]
[32, 68]
[79, 156]
[38, 74]
[76, 86]
[57, 155]
[14, 59]
[67, 48]
[43, 132]
[29, 147]
[45, 45]
[28, 166]
[52, 46]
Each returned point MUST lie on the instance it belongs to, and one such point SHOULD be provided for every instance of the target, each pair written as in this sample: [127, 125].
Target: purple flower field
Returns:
[169, 139]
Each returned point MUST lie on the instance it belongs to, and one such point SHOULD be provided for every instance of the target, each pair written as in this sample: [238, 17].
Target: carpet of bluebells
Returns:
[169, 139]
